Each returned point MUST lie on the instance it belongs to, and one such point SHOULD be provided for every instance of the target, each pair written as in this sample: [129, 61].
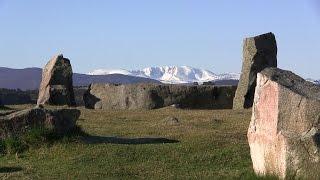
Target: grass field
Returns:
[205, 144]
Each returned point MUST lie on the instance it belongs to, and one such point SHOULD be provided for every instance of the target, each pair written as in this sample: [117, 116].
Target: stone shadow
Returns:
[10, 169]
[130, 141]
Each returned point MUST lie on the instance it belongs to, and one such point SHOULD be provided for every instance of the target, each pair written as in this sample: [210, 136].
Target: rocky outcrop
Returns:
[284, 134]
[56, 87]
[59, 120]
[152, 96]
[258, 53]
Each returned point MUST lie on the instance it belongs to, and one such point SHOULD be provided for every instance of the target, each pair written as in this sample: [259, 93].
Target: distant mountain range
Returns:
[172, 74]
[30, 78]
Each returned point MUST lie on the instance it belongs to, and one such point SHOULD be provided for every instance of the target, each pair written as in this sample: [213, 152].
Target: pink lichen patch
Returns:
[267, 145]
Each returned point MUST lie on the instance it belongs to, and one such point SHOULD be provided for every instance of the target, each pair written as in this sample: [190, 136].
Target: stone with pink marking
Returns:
[284, 132]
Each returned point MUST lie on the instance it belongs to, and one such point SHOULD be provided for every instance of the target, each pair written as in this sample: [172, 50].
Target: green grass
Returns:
[206, 144]
[37, 137]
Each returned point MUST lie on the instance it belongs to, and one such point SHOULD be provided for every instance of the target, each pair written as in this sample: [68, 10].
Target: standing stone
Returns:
[258, 53]
[284, 132]
[56, 87]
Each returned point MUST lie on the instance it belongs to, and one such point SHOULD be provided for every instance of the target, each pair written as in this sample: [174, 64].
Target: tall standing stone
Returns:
[284, 132]
[258, 53]
[56, 87]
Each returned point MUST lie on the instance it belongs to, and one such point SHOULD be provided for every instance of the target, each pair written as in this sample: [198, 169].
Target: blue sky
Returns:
[133, 34]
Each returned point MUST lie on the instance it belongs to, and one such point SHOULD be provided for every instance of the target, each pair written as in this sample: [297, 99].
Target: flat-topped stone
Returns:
[60, 120]
[152, 96]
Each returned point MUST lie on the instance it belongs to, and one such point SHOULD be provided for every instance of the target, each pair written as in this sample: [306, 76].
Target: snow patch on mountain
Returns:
[314, 81]
[172, 74]
[109, 71]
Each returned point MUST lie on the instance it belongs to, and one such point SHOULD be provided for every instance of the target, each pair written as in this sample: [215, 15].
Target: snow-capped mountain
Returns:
[172, 74]
[314, 81]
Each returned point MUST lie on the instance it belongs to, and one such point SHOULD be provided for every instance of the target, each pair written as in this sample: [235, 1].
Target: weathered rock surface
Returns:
[284, 134]
[59, 120]
[151, 96]
[56, 87]
[258, 53]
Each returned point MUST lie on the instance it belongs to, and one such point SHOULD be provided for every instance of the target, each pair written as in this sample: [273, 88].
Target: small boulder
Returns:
[171, 120]
[56, 87]
[258, 53]
[284, 132]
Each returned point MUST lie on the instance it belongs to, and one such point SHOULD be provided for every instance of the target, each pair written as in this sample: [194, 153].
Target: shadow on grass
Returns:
[10, 169]
[133, 141]
[5, 108]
